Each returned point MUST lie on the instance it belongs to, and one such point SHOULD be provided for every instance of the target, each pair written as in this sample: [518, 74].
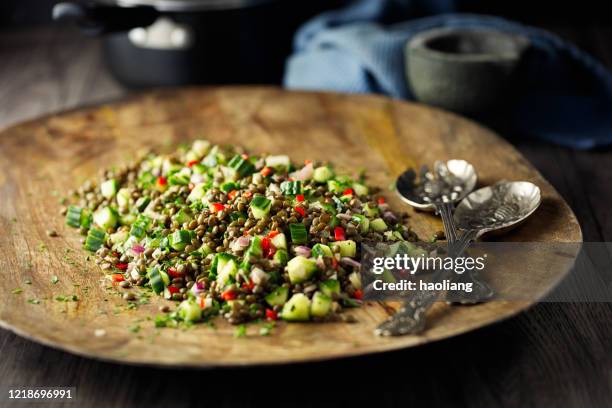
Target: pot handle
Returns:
[93, 19]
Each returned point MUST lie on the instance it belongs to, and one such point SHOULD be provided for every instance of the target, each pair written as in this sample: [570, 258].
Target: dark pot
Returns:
[178, 42]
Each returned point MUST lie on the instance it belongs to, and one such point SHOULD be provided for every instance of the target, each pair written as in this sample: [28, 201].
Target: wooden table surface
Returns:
[552, 355]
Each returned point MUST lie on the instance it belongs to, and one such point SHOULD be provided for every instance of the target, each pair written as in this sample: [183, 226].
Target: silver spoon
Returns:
[449, 183]
[499, 207]
[439, 190]
[494, 208]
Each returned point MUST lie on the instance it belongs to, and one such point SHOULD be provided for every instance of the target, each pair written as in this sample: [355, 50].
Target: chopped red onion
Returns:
[258, 276]
[388, 216]
[197, 288]
[138, 249]
[302, 250]
[305, 173]
[350, 262]
[241, 243]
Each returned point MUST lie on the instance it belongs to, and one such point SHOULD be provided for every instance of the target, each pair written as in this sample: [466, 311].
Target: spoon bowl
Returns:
[455, 180]
[499, 207]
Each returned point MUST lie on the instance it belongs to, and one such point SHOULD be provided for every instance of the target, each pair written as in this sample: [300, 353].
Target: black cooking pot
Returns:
[177, 42]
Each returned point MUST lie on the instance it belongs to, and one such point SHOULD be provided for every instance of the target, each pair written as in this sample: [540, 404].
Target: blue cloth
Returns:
[565, 98]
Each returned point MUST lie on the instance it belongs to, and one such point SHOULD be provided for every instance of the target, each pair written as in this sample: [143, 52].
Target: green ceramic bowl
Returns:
[463, 70]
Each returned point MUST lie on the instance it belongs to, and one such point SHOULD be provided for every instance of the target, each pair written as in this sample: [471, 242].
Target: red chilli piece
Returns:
[266, 171]
[273, 233]
[271, 314]
[299, 197]
[191, 163]
[339, 234]
[232, 194]
[121, 266]
[174, 273]
[381, 200]
[348, 191]
[216, 207]
[248, 285]
[228, 295]
[300, 211]
[118, 277]
[358, 294]
[201, 303]
[334, 262]
[173, 289]
[161, 180]
[247, 194]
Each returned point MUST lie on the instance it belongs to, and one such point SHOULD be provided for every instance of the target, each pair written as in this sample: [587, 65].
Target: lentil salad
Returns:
[225, 233]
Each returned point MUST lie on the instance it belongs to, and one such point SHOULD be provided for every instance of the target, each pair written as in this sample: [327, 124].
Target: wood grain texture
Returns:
[58, 152]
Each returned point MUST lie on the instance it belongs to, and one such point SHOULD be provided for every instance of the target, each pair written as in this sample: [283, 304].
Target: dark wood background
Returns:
[552, 355]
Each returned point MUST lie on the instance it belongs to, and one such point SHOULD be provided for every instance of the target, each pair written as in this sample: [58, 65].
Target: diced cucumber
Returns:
[198, 168]
[278, 296]
[200, 147]
[330, 287]
[123, 197]
[105, 217]
[229, 186]
[320, 305]
[109, 188]
[242, 166]
[291, 187]
[322, 174]
[127, 219]
[198, 192]
[219, 261]
[180, 239]
[360, 189]
[370, 211]
[364, 223]
[140, 226]
[335, 186]
[279, 241]
[321, 250]
[255, 249]
[298, 233]
[95, 239]
[378, 225]
[73, 216]
[226, 271]
[300, 269]
[280, 161]
[182, 216]
[142, 203]
[297, 308]
[355, 280]
[281, 257]
[189, 311]
[260, 207]
[346, 248]
[180, 178]
[156, 279]
[119, 237]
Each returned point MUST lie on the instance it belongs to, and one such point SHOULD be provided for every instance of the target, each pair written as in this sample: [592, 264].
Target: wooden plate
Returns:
[42, 159]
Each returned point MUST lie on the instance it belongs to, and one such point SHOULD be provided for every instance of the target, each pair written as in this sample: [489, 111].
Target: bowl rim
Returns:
[417, 44]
